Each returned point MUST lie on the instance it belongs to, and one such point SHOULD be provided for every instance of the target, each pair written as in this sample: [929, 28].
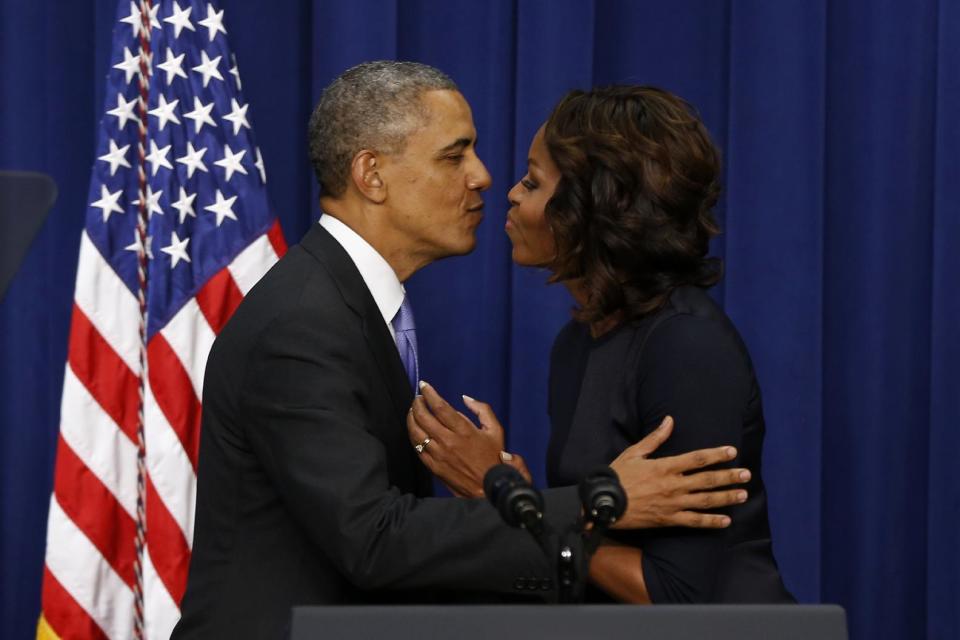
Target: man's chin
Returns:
[467, 247]
[462, 248]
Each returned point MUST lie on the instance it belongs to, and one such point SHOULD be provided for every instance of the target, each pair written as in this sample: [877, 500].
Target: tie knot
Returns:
[403, 320]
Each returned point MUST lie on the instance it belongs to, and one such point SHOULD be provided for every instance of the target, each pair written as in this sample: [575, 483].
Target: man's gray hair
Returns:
[374, 105]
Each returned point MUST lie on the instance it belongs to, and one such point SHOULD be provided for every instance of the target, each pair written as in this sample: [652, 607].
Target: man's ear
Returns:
[365, 173]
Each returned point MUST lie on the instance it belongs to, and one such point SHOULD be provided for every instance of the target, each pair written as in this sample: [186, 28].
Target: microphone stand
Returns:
[603, 500]
[570, 569]
[520, 505]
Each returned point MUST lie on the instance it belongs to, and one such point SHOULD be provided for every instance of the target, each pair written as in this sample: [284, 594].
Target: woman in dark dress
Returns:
[617, 204]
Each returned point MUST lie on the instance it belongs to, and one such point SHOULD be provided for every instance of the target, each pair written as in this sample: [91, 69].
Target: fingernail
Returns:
[731, 452]
[742, 496]
[423, 383]
[725, 521]
[506, 457]
[467, 398]
[745, 475]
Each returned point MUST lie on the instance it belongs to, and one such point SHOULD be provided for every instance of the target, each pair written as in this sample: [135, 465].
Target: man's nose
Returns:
[479, 178]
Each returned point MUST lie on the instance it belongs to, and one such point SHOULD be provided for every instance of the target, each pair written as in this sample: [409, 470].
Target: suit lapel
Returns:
[319, 243]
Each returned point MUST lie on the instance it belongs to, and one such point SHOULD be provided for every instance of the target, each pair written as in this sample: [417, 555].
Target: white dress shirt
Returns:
[377, 274]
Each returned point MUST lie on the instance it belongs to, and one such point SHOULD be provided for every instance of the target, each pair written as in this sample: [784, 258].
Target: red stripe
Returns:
[168, 547]
[174, 393]
[275, 236]
[67, 618]
[218, 299]
[105, 375]
[95, 511]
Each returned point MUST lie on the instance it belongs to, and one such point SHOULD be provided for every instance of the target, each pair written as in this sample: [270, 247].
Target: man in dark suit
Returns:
[308, 490]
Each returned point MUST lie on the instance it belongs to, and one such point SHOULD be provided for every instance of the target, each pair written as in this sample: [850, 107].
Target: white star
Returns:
[164, 112]
[177, 249]
[158, 157]
[124, 111]
[185, 205]
[135, 246]
[231, 161]
[235, 70]
[130, 65]
[222, 207]
[213, 22]
[173, 66]
[200, 114]
[238, 116]
[259, 165]
[180, 19]
[116, 157]
[108, 202]
[153, 202]
[154, 21]
[135, 21]
[208, 68]
[193, 160]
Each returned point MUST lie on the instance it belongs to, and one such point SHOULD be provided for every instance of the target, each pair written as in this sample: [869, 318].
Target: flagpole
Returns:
[143, 102]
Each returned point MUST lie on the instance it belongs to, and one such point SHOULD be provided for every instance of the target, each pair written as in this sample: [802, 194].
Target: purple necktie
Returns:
[406, 332]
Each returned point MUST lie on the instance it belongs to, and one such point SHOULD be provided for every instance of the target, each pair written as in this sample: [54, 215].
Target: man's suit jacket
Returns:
[308, 489]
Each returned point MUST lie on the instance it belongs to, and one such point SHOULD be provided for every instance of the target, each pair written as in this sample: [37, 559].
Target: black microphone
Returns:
[519, 504]
[603, 497]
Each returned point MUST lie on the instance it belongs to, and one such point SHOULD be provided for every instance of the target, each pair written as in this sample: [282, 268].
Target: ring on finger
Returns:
[423, 445]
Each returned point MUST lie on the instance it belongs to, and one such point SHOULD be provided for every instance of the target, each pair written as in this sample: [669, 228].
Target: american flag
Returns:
[178, 229]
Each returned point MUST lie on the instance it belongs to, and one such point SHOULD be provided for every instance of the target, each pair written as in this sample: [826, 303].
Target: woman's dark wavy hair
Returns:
[631, 213]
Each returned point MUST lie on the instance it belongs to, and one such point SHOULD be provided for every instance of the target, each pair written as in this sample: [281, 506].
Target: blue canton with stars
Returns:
[207, 186]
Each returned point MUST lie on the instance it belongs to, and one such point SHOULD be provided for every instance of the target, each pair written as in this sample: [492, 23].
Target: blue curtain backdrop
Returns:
[840, 127]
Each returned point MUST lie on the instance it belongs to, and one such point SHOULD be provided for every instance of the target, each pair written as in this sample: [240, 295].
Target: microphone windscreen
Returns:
[498, 477]
[599, 477]
[602, 485]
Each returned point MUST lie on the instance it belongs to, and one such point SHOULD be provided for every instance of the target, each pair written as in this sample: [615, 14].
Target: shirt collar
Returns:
[386, 289]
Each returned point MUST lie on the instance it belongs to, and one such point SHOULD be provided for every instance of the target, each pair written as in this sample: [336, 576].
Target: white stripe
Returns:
[99, 443]
[108, 303]
[254, 261]
[87, 576]
[160, 612]
[169, 467]
[190, 337]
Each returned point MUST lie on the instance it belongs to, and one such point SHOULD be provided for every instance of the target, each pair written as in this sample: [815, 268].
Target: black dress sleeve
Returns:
[694, 369]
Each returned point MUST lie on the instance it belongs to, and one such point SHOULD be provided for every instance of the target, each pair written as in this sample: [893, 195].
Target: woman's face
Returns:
[533, 243]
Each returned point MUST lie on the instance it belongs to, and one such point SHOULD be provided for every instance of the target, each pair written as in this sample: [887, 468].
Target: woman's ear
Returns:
[365, 174]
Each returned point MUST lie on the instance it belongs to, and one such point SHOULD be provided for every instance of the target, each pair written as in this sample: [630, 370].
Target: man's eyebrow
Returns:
[458, 145]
